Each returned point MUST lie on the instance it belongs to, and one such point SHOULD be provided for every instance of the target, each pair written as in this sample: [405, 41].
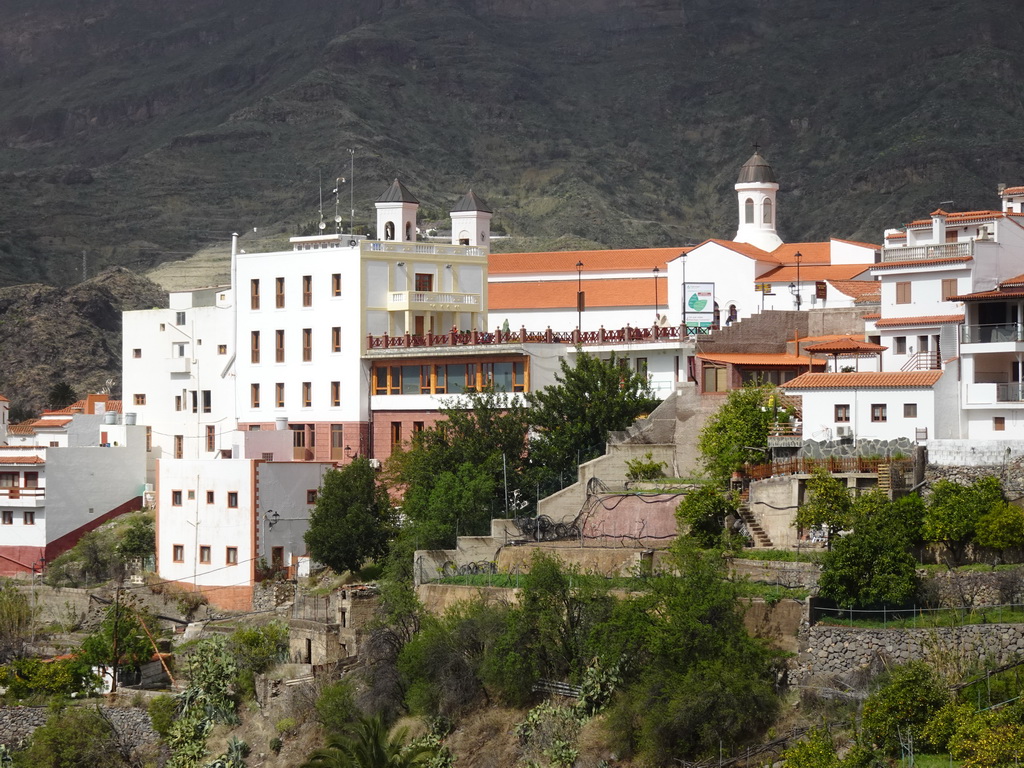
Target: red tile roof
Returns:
[999, 293]
[858, 289]
[892, 322]
[814, 272]
[754, 360]
[20, 429]
[855, 242]
[1013, 191]
[21, 460]
[1014, 281]
[844, 346]
[897, 236]
[864, 380]
[593, 261]
[81, 405]
[962, 217]
[561, 294]
[871, 316]
[810, 253]
[744, 249]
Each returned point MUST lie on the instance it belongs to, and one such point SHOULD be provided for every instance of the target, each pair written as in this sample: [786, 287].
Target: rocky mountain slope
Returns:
[73, 334]
[139, 132]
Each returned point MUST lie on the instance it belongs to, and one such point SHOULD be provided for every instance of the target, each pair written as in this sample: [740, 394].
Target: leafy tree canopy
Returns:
[573, 416]
[352, 520]
[829, 505]
[133, 644]
[953, 511]
[702, 513]
[738, 432]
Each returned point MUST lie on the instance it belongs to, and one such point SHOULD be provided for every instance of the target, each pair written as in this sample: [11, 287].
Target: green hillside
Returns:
[139, 132]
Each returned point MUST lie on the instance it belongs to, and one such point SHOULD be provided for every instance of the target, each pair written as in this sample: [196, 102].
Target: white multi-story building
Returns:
[63, 475]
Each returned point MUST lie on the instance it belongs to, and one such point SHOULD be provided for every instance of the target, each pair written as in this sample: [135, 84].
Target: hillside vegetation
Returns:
[139, 131]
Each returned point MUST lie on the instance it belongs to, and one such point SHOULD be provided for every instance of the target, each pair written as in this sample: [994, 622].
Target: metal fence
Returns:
[915, 616]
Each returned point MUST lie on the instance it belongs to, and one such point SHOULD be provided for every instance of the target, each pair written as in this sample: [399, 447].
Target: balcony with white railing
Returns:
[929, 252]
[434, 301]
[22, 498]
[422, 249]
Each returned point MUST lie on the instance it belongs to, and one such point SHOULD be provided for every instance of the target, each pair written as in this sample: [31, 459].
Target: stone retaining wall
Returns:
[132, 725]
[838, 651]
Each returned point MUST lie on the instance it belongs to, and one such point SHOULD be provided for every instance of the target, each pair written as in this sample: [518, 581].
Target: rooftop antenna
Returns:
[337, 193]
[320, 178]
[351, 191]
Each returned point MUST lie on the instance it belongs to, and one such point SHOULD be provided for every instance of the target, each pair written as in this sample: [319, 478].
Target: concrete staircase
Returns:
[757, 533]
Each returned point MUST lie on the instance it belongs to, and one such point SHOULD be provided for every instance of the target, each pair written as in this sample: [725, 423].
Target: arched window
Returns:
[717, 318]
[748, 211]
[408, 231]
[389, 231]
[767, 212]
[734, 315]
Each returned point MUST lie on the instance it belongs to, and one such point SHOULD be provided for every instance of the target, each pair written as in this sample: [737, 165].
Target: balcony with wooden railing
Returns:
[834, 465]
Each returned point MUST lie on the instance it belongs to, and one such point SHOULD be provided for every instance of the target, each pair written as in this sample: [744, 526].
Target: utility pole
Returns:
[117, 605]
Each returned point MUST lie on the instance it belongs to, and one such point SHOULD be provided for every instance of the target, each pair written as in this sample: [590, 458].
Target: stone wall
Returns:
[793, 575]
[268, 595]
[976, 453]
[838, 651]
[824, 449]
[132, 725]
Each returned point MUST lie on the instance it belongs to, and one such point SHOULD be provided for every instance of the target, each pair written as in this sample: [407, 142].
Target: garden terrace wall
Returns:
[131, 724]
[838, 651]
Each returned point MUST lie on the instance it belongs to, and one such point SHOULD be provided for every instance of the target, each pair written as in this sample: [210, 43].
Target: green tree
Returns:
[255, 650]
[61, 395]
[137, 538]
[16, 617]
[352, 520]
[125, 622]
[828, 507]
[870, 566]
[953, 511]
[738, 432]
[454, 475]
[1001, 527]
[903, 705]
[368, 745]
[573, 416]
[692, 675]
[73, 737]
[702, 512]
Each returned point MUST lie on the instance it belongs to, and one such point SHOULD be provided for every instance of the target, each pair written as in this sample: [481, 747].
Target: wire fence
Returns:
[915, 616]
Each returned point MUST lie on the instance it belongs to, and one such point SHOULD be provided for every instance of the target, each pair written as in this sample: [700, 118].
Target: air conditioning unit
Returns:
[375, 463]
[844, 433]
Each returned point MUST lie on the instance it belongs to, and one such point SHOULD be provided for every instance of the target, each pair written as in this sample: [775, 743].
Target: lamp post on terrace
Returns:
[657, 315]
[795, 288]
[579, 297]
[686, 298]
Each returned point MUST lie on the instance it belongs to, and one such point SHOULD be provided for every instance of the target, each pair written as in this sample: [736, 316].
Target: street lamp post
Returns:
[656, 314]
[579, 297]
[795, 289]
[686, 328]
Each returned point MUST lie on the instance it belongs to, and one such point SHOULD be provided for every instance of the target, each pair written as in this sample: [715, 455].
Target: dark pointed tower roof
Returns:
[756, 171]
[397, 193]
[472, 202]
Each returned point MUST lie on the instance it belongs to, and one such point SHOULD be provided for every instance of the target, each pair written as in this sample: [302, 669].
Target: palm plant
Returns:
[368, 745]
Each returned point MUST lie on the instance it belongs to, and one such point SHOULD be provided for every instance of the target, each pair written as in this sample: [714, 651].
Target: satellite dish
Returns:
[662, 321]
[352, 243]
[337, 219]
[323, 225]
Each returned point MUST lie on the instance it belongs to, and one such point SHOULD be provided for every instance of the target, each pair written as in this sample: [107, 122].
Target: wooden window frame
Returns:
[910, 410]
[336, 339]
[279, 293]
[842, 413]
[949, 288]
[28, 517]
[137, 353]
[279, 345]
[176, 498]
[205, 554]
[179, 446]
[211, 438]
[210, 497]
[254, 293]
[230, 555]
[307, 345]
[307, 290]
[254, 394]
[254, 347]
[903, 292]
[879, 412]
[7, 517]
[998, 423]
[307, 394]
[279, 394]
[232, 501]
[336, 284]
[139, 399]
[335, 394]
[178, 553]
[311, 494]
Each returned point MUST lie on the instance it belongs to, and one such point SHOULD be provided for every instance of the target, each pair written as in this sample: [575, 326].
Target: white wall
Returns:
[819, 412]
[218, 525]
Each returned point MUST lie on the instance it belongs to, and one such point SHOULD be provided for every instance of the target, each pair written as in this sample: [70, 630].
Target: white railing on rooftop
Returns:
[926, 252]
[426, 249]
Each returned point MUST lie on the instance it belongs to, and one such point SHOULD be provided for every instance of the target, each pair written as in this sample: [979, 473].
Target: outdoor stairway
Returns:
[761, 539]
[885, 480]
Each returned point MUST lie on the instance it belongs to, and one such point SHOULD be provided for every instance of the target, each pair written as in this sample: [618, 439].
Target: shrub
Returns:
[336, 707]
[903, 706]
[703, 512]
[76, 737]
[646, 468]
[162, 711]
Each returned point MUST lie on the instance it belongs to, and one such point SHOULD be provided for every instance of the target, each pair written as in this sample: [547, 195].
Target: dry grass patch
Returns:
[486, 739]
